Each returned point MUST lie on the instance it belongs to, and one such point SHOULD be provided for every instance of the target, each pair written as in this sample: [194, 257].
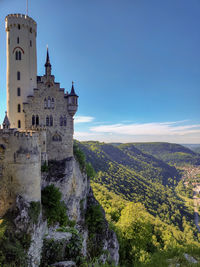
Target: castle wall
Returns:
[59, 144]
[20, 165]
[21, 38]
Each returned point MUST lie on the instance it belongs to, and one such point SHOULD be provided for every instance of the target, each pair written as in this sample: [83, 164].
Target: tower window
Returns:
[19, 124]
[37, 120]
[18, 75]
[18, 40]
[18, 91]
[30, 30]
[19, 27]
[51, 120]
[30, 43]
[33, 120]
[47, 121]
[19, 108]
[61, 121]
[65, 121]
[16, 55]
[45, 103]
[52, 103]
[49, 102]
[20, 55]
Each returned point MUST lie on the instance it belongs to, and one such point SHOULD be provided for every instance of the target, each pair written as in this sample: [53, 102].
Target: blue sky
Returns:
[135, 64]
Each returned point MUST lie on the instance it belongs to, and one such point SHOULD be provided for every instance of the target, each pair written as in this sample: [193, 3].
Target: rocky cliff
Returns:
[67, 229]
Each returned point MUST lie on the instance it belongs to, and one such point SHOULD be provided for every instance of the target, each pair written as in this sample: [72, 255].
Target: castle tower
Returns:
[21, 65]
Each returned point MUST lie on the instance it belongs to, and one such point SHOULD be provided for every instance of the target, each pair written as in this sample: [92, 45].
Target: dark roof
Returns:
[6, 123]
[72, 93]
[47, 64]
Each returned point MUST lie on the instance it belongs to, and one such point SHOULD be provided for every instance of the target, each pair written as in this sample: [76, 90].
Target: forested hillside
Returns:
[138, 177]
[146, 203]
[170, 153]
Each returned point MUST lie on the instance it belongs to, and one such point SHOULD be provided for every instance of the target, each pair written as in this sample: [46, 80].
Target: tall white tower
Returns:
[21, 65]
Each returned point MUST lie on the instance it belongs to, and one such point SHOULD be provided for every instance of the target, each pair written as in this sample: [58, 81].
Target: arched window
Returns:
[57, 138]
[49, 102]
[19, 124]
[52, 103]
[45, 103]
[51, 120]
[18, 40]
[61, 121]
[65, 121]
[18, 75]
[19, 108]
[33, 120]
[18, 91]
[47, 121]
[19, 27]
[16, 55]
[20, 55]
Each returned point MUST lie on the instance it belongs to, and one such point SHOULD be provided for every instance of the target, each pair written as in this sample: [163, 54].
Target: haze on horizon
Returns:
[136, 65]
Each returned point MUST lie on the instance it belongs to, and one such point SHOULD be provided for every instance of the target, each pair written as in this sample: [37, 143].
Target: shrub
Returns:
[55, 209]
[79, 155]
[34, 211]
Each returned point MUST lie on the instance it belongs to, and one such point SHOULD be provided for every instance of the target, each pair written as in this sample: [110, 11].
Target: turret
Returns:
[72, 101]
[6, 123]
[21, 65]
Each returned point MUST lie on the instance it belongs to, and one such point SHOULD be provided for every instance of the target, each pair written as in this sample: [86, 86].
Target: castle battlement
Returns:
[13, 20]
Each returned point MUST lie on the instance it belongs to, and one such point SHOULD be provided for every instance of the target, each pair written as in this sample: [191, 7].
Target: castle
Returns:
[38, 124]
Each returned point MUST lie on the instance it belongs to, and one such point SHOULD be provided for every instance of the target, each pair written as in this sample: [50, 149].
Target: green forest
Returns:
[145, 200]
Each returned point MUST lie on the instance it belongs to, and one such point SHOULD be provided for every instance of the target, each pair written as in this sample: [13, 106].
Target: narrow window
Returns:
[37, 120]
[45, 103]
[65, 121]
[30, 30]
[19, 124]
[18, 40]
[20, 55]
[47, 121]
[49, 102]
[52, 103]
[30, 43]
[18, 91]
[16, 55]
[51, 120]
[18, 75]
[61, 121]
[33, 120]
[19, 108]
[19, 27]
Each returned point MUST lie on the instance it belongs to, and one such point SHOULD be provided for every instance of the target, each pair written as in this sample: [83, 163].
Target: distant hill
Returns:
[193, 147]
[138, 177]
[172, 154]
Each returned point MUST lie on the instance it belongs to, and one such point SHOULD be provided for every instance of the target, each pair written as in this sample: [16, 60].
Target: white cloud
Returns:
[175, 132]
[83, 119]
[155, 129]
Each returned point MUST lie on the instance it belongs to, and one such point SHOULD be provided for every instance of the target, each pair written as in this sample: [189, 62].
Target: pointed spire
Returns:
[72, 93]
[6, 123]
[47, 64]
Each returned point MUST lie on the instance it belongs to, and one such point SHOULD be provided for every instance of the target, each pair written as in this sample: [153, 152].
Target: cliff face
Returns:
[78, 238]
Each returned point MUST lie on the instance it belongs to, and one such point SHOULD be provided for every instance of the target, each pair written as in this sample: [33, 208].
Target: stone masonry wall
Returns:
[59, 138]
